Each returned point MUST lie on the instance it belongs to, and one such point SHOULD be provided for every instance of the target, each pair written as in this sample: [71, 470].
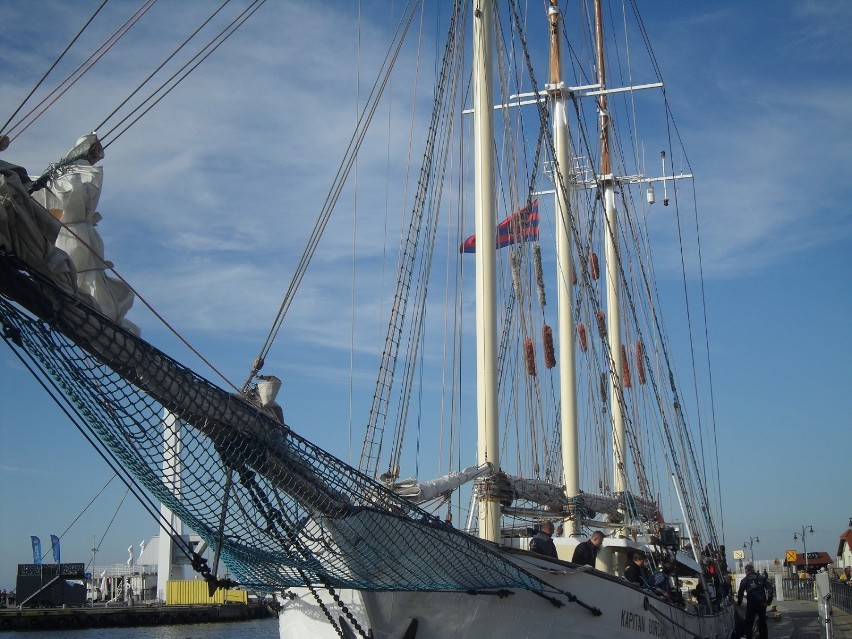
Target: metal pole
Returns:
[685, 520]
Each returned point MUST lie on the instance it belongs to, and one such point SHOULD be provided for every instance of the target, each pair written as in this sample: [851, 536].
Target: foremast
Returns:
[488, 447]
[612, 260]
[565, 304]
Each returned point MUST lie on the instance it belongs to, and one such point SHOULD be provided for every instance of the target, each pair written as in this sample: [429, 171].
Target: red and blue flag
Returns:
[520, 226]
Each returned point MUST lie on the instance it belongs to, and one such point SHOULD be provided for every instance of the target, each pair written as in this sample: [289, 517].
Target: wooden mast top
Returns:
[606, 166]
[555, 57]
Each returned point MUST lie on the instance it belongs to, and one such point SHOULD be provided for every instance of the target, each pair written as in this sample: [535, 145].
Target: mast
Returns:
[488, 448]
[613, 268]
[565, 293]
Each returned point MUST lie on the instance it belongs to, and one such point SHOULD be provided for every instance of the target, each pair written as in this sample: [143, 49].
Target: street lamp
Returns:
[750, 545]
[805, 529]
[95, 549]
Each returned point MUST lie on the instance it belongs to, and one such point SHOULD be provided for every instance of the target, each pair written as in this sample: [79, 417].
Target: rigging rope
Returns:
[429, 194]
[672, 124]
[337, 185]
[109, 525]
[82, 512]
[353, 287]
[83, 68]
[12, 335]
[162, 64]
[52, 66]
[610, 356]
[190, 66]
[172, 82]
[295, 507]
[97, 256]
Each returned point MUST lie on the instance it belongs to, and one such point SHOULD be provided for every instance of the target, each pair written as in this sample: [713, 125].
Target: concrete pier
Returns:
[101, 616]
[800, 620]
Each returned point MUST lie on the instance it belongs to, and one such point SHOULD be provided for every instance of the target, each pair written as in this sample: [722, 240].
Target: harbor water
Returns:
[254, 629]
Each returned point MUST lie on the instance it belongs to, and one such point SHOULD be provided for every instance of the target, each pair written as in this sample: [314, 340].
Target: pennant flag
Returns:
[54, 545]
[521, 225]
[36, 550]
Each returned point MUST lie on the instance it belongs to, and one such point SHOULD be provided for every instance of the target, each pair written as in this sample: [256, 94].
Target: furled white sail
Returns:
[72, 195]
[420, 491]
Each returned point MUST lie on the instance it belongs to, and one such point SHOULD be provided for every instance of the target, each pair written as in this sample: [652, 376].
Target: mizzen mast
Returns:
[559, 95]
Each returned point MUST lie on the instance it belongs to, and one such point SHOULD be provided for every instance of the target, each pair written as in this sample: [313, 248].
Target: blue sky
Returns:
[193, 204]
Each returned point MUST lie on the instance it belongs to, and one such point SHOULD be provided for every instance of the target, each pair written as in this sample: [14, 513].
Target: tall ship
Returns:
[527, 387]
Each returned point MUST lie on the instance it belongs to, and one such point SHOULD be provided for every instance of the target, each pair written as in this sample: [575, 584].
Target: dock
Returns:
[798, 619]
[113, 616]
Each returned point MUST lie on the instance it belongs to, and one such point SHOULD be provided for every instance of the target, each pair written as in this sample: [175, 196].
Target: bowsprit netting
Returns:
[279, 510]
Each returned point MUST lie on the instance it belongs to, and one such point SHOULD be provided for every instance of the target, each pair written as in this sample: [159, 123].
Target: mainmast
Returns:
[613, 268]
[565, 295]
[488, 449]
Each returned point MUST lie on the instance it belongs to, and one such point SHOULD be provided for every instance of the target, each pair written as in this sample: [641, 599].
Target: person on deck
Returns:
[637, 572]
[586, 553]
[542, 543]
[701, 599]
[759, 598]
[661, 582]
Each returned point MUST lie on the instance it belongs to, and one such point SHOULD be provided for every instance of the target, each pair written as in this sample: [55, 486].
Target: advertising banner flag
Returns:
[36, 550]
[54, 545]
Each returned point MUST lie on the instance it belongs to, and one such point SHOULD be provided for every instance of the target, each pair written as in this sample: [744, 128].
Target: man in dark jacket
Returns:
[542, 542]
[637, 570]
[759, 597]
[586, 553]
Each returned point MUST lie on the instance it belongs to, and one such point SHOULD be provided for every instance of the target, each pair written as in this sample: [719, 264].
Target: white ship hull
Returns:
[625, 612]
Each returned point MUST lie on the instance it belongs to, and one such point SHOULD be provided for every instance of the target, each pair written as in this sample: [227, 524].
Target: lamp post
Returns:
[92, 580]
[750, 545]
[805, 529]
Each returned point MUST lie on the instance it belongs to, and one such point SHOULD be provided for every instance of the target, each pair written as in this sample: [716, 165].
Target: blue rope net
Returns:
[281, 511]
